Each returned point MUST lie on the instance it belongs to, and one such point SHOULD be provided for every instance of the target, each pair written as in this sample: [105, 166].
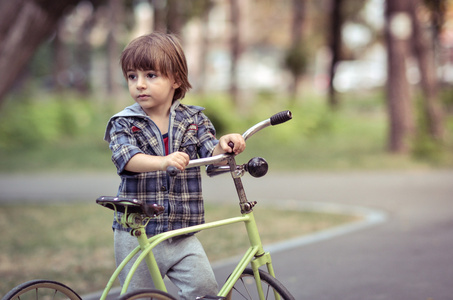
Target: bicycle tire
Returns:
[245, 287]
[41, 289]
[151, 294]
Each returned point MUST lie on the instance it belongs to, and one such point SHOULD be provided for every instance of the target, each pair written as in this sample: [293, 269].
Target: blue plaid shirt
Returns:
[131, 131]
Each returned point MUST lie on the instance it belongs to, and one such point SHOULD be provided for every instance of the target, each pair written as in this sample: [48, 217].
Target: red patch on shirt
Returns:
[193, 127]
[135, 129]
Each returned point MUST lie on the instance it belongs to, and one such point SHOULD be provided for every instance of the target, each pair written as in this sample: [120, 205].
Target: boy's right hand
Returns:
[176, 159]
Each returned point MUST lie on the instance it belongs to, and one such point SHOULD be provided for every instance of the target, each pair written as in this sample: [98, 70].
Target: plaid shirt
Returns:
[132, 131]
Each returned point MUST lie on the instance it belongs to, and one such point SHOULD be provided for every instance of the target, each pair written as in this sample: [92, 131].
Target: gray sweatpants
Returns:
[182, 259]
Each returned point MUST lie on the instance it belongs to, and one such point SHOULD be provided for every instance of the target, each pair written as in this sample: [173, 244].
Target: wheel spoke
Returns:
[55, 294]
[246, 287]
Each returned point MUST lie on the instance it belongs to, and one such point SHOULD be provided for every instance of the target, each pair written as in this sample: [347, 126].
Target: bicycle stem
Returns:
[246, 207]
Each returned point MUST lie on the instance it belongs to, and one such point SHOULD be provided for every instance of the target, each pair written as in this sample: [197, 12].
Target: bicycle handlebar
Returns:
[276, 119]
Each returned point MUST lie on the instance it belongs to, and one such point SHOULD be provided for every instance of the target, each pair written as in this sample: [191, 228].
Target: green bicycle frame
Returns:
[255, 255]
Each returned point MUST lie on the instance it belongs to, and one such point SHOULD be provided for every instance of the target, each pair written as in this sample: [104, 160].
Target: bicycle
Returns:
[243, 283]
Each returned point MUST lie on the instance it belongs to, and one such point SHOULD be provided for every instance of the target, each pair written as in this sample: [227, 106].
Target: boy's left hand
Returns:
[236, 139]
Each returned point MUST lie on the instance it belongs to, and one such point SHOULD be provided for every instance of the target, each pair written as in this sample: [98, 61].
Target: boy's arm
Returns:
[223, 147]
[141, 162]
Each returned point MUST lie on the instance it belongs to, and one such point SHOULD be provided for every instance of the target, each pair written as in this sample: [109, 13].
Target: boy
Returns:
[147, 137]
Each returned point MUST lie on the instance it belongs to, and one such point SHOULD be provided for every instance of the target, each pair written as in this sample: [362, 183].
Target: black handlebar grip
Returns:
[172, 171]
[281, 117]
[231, 145]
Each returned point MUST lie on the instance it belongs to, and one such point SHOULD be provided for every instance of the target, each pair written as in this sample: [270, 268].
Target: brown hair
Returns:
[159, 52]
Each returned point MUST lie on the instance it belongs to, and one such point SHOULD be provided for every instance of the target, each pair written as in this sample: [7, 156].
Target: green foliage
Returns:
[424, 146]
[61, 132]
[57, 130]
[220, 111]
[446, 97]
[27, 124]
[296, 59]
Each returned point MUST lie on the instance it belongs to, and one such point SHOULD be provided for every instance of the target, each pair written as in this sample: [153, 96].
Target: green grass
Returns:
[73, 243]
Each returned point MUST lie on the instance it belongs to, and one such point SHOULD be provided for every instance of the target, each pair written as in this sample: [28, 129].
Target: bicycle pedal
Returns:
[211, 298]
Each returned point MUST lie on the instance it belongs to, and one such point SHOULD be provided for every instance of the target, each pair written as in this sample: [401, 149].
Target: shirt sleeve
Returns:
[122, 143]
[206, 136]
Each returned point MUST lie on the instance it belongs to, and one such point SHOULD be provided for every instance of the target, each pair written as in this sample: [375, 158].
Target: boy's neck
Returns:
[161, 120]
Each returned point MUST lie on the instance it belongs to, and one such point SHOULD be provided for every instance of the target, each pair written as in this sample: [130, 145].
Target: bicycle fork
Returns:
[257, 258]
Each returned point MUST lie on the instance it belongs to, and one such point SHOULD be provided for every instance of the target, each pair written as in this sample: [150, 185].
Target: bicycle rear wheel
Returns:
[41, 289]
[245, 287]
[149, 294]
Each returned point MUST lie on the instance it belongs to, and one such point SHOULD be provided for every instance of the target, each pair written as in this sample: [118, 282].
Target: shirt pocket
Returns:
[189, 144]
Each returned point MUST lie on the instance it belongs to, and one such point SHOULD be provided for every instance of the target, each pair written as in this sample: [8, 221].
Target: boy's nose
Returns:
[141, 83]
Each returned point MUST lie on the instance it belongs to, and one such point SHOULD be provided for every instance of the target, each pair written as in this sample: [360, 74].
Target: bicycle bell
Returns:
[257, 167]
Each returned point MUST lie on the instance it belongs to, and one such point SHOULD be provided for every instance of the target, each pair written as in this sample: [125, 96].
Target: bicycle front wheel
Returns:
[41, 289]
[246, 288]
[148, 294]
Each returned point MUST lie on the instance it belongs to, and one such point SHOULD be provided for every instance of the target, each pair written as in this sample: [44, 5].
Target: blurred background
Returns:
[369, 82]
[370, 85]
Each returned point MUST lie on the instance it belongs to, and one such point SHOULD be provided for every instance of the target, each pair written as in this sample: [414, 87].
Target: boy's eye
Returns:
[151, 75]
[131, 76]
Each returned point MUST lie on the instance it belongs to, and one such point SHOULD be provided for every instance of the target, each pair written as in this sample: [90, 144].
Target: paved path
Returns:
[407, 257]
[405, 253]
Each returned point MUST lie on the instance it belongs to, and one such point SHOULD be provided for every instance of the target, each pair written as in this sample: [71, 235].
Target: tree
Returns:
[176, 15]
[335, 47]
[398, 31]
[424, 52]
[236, 48]
[82, 55]
[160, 15]
[201, 10]
[296, 57]
[113, 47]
[406, 36]
[24, 25]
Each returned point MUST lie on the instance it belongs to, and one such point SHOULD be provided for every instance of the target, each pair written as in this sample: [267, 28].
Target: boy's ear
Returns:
[176, 85]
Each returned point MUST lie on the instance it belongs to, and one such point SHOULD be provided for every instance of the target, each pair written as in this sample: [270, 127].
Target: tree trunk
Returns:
[423, 48]
[335, 47]
[113, 48]
[61, 57]
[236, 50]
[298, 21]
[160, 15]
[8, 13]
[29, 27]
[24, 25]
[296, 44]
[83, 51]
[398, 31]
[175, 17]
[204, 47]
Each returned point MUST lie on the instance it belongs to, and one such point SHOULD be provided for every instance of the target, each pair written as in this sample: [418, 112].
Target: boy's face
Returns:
[152, 91]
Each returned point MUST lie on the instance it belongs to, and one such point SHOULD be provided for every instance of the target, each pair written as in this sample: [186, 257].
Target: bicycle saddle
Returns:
[130, 205]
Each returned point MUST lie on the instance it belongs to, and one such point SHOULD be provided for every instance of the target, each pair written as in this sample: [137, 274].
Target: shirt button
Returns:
[163, 188]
